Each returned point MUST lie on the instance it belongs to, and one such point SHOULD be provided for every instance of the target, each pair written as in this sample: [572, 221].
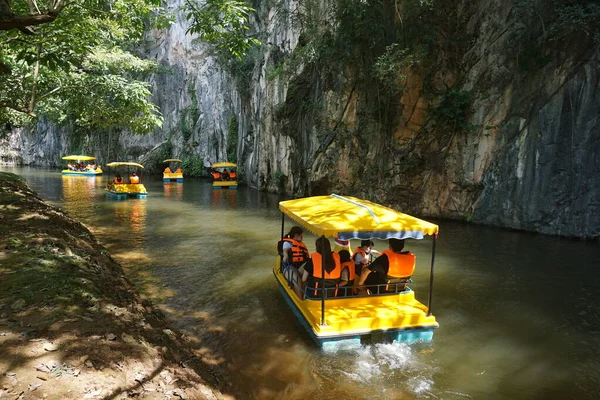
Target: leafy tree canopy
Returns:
[223, 23]
[72, 60]
[77, 66]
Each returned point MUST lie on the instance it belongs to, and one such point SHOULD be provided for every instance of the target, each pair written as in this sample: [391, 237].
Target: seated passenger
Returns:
[323, 269]
[347, 277]
[216, 175]
[362, 256]
[294, 255]
[179, 171]
[134, 178]
[118, 179]
[232, 175]
[392, 269]
[225, 175]
[167, 170]
[70, 166]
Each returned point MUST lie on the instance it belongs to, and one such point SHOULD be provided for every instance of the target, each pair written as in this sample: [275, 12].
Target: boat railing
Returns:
[335, 292]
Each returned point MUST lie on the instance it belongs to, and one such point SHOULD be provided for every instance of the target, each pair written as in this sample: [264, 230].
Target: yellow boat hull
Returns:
[225, 184]
[88, 172]
[399, 316]
[125, 190]
[173, 177]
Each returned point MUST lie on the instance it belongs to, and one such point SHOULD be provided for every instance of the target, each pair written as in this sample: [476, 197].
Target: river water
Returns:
[519, 313]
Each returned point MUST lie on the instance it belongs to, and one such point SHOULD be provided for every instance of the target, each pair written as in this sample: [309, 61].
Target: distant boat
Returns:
[224, 175]
[82, 170]
[124, 187]
[173, 176]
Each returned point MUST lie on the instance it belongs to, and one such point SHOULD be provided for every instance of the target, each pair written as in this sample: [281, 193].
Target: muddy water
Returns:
[519, 313]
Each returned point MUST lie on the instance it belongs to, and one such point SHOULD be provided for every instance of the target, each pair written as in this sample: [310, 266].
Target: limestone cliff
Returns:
[494, 124]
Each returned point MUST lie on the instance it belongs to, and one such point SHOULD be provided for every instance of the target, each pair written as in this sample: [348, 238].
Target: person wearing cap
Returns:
[393, 268]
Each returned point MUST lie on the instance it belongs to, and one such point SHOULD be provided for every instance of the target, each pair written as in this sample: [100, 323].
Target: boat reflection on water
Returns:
[227, 198]
[173, 191]
[131, 215]
[79, 193]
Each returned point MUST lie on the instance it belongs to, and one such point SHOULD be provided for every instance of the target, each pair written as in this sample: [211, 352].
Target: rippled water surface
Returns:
[519, 313]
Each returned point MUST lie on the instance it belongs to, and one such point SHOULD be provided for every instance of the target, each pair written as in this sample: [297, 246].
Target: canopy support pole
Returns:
[323, 291]
[431, 275]
[282, 224]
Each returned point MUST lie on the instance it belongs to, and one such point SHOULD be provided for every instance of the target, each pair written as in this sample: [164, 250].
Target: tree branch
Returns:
[23, 21]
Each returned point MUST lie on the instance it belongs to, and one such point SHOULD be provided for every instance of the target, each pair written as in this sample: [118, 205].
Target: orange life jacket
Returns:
[400, 265]
[334, 275]
[318, 269]
[216, 175]
[167, 170]
[134, 179]
[299, 250]
[232, 175]
[351, 273]
[363, 253]
[118, 180]
[179, 171]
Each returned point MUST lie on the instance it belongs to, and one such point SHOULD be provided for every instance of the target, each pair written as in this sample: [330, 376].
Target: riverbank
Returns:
[71, 324]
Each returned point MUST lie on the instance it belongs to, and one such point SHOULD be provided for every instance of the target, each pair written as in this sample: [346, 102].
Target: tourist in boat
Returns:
[393, 268]
[294, 255]
[71, 167]
[323, 263]
[118, 179]
[226, 175]
[341, 244]
[216, 175]
[232, 175]
[179, 171]
[167, 170]
[346, 283]
[134, 178]
[362, 254]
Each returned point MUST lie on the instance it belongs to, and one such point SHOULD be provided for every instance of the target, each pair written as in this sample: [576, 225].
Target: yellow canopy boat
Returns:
[171, 174]
[122, 187]
[81, 170]
[224, 175]
[340, 321]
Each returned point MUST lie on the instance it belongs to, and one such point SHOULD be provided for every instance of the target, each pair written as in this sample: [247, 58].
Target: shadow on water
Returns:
[518, 312]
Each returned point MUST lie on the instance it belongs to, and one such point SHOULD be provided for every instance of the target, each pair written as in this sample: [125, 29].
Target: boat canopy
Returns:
[124, 164]
[348, 217]
[224, 164]
[172, 160]
[79, 158]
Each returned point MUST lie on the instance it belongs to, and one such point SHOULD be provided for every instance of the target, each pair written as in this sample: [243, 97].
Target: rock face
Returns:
[529, 160]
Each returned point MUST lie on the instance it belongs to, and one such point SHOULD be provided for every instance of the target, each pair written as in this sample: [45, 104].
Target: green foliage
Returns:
[278, 178]
[232, 139]
[453, 109]
[193, 165]
[223, 23]
[77, 69]
[575, 18]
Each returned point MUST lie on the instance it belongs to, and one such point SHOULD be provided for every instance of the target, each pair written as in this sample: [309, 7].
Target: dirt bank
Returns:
[71, 325]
